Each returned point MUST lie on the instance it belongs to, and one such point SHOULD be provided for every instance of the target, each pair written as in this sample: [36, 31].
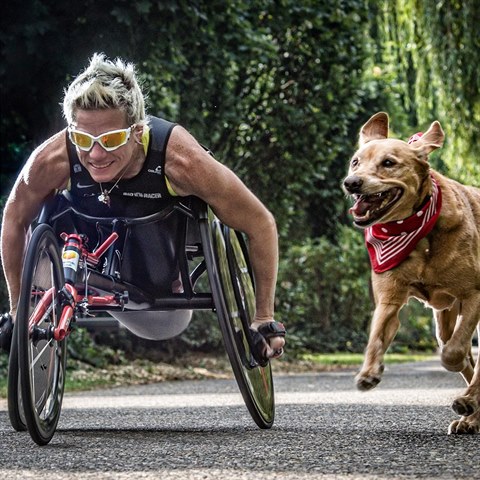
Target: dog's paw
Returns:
[466, 425]
[464, 406]
[369, 379]
[365, 383]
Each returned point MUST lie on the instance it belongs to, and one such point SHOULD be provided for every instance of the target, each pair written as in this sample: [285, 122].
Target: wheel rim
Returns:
[255, 382]
[259, 378]
[42, 361]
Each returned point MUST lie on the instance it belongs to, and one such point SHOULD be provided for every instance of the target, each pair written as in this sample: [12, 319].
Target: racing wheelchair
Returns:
[152, 294]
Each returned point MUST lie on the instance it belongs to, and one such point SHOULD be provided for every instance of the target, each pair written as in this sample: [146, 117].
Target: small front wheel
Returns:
[41, 358]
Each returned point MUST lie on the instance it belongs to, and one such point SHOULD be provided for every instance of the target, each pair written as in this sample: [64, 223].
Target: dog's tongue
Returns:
[361, 207]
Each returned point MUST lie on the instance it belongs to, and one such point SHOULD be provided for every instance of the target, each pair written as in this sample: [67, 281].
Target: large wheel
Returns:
[41, 358]
[233, 293]
[15, 404]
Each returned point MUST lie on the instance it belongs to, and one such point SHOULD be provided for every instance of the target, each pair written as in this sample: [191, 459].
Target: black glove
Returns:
[261, 338]
[6, 332]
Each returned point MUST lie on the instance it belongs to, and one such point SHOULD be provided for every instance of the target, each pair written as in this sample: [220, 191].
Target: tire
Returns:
[14, 395]
[41, 362]
[234, 298]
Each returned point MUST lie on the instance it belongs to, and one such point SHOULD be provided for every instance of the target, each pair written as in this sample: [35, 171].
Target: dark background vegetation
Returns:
[278, 90]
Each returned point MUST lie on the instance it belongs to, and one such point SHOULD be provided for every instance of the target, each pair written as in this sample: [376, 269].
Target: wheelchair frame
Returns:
[56, 287]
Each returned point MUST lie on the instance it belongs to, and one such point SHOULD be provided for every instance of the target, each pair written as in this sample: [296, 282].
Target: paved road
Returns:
[324, 429]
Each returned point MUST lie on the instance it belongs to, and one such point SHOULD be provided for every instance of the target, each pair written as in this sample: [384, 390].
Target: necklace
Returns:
[104, 196]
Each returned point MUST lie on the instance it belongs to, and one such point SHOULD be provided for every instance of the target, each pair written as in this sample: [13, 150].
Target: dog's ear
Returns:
[431, 139]
[375, 129]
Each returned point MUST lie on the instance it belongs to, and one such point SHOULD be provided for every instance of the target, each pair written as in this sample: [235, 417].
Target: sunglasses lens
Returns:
[81, 140]
[115, 139]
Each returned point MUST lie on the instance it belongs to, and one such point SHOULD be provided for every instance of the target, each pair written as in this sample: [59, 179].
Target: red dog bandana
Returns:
[389, 244]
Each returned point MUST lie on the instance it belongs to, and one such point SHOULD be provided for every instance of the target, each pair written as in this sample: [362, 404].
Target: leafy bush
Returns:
[417, 330]
[278, 90]
[82, 348]
[323, 294]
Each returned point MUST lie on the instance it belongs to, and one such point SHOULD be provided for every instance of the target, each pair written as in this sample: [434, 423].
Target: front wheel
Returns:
[42, 359]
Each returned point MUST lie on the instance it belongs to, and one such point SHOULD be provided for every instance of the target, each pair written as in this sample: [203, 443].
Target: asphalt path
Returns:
[324, 429]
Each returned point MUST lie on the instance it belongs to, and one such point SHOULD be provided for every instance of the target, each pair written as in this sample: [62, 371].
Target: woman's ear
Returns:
[138, 134]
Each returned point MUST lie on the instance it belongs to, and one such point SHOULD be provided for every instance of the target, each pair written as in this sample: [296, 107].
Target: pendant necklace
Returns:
[104, 196]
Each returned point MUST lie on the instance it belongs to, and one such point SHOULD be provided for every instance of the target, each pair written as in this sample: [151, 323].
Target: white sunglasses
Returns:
[109, 140]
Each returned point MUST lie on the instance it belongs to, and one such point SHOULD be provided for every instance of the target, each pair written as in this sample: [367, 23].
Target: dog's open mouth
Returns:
[370, 208]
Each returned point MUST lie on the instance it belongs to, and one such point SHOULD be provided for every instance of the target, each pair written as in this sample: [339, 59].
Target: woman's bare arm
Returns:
[192, 171]
[46, 171]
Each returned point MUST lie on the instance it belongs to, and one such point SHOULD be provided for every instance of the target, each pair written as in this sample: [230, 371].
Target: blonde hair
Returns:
[106, 84]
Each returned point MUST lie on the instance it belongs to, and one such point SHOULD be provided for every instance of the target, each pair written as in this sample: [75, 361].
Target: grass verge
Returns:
[354, 359]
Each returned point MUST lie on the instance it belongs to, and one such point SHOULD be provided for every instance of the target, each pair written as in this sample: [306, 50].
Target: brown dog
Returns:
[423, 235]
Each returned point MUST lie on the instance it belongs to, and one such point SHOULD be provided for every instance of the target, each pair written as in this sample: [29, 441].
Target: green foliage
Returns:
[4, 303]
[3, 374]
[433, 49]
[203, 334]
[323, 294]
[278, 90]
[271, 87]
[82, 348]
[416, 331]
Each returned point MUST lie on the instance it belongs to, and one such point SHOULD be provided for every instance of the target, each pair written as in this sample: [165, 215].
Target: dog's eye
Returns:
[388, 162]
[354, 162]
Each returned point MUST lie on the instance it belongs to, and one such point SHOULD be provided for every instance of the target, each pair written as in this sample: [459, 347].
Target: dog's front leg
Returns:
[468, 405]
[384, 326]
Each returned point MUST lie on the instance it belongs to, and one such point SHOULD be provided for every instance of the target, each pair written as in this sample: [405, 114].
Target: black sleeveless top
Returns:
[144, 194]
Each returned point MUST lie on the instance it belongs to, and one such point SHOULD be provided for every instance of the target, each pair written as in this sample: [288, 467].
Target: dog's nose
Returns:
[353, 184]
